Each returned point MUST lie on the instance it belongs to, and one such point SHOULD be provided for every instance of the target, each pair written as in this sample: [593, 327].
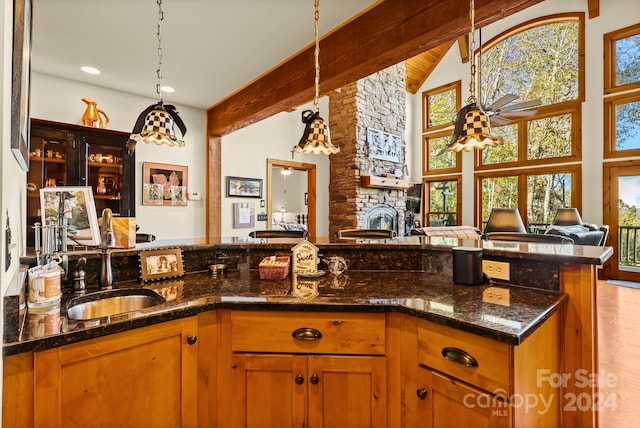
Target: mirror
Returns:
[289, 196]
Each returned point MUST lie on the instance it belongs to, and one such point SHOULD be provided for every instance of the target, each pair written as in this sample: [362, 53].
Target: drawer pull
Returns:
[192, 339]
[421, 393]
[459, 356]
[306, 333]
[314, 379]
[299, 379]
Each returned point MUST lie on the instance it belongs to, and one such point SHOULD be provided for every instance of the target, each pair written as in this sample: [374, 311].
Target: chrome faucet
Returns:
[105, 281]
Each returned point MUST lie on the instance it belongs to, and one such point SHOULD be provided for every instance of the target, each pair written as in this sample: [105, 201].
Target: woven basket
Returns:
[274, 267]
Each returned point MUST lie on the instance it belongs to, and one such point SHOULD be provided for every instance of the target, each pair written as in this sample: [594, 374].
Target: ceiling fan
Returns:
[500, 113]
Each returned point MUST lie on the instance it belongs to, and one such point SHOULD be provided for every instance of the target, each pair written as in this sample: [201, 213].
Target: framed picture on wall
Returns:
[244, 215]
[244, 187]
[164, 184]
[20, 82]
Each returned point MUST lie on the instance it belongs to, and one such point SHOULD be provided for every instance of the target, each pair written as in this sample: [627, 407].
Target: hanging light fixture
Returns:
[472, 129]
[286, 171]
[316, 138]
[156, 123]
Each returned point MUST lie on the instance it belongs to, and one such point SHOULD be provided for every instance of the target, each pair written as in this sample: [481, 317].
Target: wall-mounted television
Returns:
[414, 198]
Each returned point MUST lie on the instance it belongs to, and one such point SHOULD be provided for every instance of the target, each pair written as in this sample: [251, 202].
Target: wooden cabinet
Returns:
[448, 402]
[322, 369]
[462, 379]
[143, 377]
[65, 154]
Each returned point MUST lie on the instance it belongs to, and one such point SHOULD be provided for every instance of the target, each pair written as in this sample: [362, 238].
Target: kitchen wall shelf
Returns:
[384, 182]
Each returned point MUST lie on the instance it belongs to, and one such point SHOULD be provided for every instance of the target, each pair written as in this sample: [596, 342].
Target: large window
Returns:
[622, 75]
[439, 106]
[541, 59]
[537, 193]
[443, 201]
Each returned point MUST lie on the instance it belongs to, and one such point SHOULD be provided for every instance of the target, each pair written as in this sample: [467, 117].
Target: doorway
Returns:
[307, 197]
[620, 212]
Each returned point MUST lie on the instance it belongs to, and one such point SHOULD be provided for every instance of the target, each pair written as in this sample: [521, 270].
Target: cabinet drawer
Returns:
[341, 333]
[476, 360]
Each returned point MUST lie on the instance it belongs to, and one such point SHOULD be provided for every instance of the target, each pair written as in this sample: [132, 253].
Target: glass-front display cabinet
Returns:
[63, 154]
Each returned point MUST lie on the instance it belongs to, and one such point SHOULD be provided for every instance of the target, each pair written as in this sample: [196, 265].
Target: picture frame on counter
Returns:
[164, 184]
[161, 263]
[244, 187]
[77, 209]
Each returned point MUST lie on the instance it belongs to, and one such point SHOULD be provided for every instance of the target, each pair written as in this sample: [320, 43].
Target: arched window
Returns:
[540, 59]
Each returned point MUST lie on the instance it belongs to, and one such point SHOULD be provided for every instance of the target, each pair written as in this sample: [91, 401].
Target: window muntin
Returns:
[440, 106]
[443, 201]
[537, 193]
[622, 125]
[498, 192]
[506, 152]
[541, 61]
[437, 159]
[622, 59]
[545, 194]
[549, 137]
[627, 60]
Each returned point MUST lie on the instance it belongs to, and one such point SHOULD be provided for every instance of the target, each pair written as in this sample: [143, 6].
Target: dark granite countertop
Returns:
[417, 293]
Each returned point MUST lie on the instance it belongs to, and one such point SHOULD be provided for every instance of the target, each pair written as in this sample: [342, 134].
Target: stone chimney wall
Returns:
[377, 101]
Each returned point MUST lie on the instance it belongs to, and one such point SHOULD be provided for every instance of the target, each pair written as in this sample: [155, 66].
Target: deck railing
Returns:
[628, 246]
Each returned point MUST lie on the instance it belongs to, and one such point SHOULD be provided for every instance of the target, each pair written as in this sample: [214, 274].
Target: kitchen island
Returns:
[390, 318]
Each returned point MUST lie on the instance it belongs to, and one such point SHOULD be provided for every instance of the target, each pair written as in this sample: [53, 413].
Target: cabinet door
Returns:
[269, 390]
[347, 391]
[144, 377]
[446, 402]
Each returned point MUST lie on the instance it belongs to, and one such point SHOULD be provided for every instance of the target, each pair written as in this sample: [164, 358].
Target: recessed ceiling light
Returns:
[167, 89]
[90, 70]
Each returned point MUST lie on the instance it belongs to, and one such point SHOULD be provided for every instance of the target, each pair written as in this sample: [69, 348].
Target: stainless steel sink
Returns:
[111, 302]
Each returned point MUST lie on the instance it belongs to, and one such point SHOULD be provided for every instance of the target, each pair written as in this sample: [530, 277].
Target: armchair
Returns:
[568, 222]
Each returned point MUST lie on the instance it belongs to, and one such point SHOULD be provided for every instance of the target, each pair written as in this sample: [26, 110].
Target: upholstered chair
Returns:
[568, 222]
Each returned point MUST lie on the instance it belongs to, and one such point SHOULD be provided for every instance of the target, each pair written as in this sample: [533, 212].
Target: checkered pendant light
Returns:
[472, 130]
[156, 123]
[316, 138]
[158, 129]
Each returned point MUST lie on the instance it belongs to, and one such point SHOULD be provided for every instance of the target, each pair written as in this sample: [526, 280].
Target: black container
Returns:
[467, 266]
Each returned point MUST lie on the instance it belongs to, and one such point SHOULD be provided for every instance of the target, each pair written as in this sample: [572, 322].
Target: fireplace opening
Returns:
[382, 216]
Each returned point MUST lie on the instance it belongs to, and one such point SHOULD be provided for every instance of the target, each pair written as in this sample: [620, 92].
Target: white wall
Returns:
[244, 154]
[614, 14]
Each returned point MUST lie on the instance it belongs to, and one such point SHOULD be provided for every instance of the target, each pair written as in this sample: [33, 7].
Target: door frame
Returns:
[310, 168]
[612, 171]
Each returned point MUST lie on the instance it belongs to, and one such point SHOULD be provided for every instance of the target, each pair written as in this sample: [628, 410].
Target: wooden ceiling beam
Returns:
[463, 46]
[386, 34]
[594, 8]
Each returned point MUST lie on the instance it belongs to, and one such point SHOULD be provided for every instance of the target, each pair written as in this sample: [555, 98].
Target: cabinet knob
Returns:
[306, 333]
[299, 379]
[314, 379]
[191, 339]
[421, 393]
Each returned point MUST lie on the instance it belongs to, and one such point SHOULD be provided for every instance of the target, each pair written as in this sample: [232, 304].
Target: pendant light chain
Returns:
[159, 34]
[472, 59]
[316, 56]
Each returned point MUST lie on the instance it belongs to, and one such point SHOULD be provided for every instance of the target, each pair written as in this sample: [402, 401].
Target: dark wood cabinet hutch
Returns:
[63, 154]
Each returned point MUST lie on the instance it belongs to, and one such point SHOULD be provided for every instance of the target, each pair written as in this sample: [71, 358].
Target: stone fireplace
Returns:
[376, 103]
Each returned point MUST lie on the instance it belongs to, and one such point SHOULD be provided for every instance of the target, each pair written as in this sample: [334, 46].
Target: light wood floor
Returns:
[619, 355]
